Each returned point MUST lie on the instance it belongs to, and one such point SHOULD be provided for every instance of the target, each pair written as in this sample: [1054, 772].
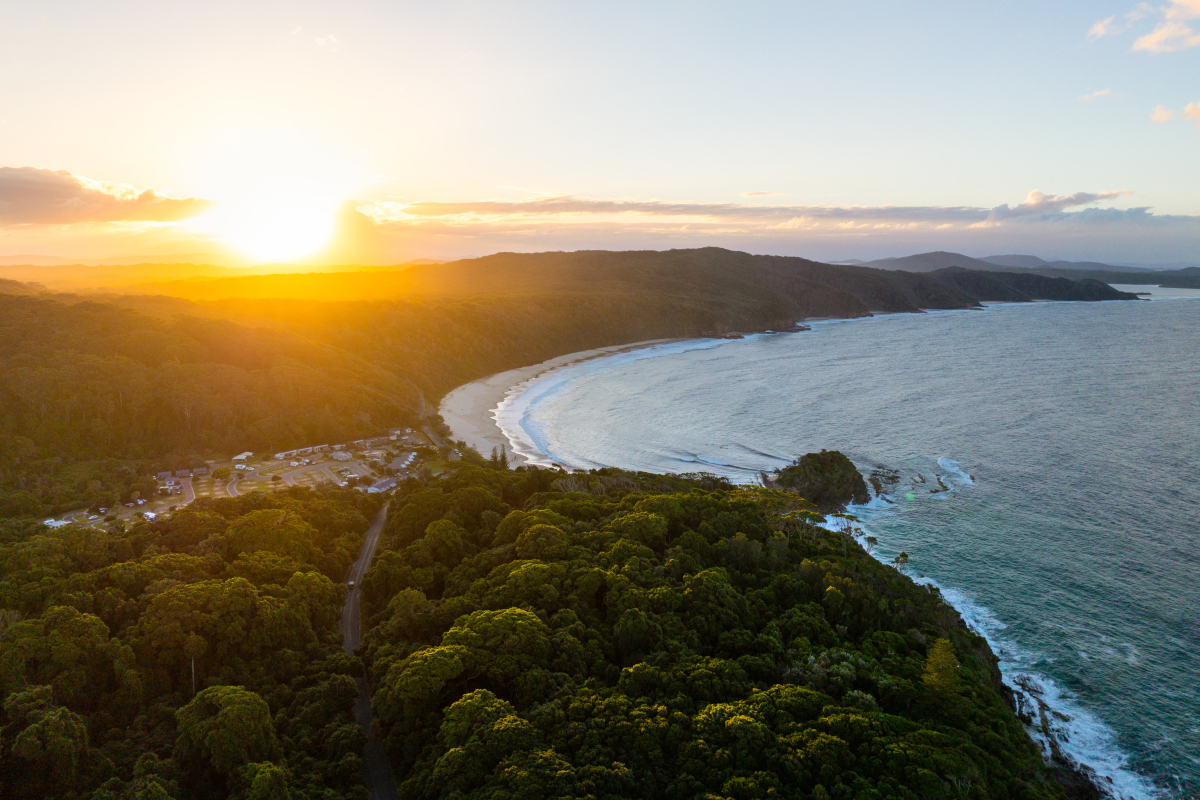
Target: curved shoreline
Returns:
[1087, 739]
[470, 410]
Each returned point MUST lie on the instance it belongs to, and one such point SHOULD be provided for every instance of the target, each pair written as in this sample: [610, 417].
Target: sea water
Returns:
[1066, 435]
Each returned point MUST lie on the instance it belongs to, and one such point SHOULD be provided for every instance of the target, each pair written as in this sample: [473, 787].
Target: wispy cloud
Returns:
[1099, 93]
[1192, 111]
[29, 195]
[1168, 37]
[1111, 26]
[1043, 206]
[1162, 114]
[1172, 32]
[762, 194]
[572, 210]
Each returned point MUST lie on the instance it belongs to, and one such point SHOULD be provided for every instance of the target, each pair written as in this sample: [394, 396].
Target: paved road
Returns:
[189, 494]
[231, 487]
[377, 772]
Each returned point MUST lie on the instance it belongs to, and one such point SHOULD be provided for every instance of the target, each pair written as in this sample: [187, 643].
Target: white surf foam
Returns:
[514, 415]
[1077, 733]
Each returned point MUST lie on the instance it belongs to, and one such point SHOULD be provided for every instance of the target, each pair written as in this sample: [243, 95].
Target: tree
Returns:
[942, 668]
[52, 739]
[222, 729]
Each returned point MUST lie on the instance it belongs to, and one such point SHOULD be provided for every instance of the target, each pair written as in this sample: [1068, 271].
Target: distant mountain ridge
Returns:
[1177, 277]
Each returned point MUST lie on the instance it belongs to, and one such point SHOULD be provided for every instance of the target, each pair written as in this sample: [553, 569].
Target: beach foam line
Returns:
[528, 437]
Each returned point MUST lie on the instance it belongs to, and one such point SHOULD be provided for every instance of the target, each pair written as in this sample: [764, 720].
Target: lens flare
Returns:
[276, 195]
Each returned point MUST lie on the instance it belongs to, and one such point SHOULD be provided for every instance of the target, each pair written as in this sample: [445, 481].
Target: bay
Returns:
[1067, 436]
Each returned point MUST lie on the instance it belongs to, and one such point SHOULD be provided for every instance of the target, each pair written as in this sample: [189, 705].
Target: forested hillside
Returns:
[101, 633]
[91, 394]
[618, 635]
[93, 389]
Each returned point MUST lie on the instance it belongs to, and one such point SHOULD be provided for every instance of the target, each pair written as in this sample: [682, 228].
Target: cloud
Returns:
[1100, 93]
[1043, 206]
[567, 207]
[1105, 27]
[762, 194]
[29, 195]
[1167, 38]
[1192, 111]
[1162, 114]
[582, 212]
[1111, 26]
[1172, 33]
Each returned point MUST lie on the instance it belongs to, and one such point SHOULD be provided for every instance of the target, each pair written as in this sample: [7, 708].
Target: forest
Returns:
[197, 656]
[619, 635]
[528, 633]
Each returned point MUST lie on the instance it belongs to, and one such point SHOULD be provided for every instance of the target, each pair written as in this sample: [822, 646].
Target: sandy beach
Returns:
[470, 409]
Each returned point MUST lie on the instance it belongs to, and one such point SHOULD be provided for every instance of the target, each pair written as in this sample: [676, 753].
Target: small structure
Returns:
[55, 523]
[199, 471]
[162, 476]
[382, 486]
[149, 515]
[341, 455]
[183, 473]
[242, 456]
[171, 481]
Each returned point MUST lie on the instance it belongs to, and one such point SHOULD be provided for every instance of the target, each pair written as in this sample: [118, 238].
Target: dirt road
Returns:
[377, 772]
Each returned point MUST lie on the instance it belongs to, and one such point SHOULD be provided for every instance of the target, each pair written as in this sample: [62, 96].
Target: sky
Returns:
[387, 131]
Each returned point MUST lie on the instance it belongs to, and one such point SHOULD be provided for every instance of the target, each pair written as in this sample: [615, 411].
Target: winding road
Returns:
[377, 772]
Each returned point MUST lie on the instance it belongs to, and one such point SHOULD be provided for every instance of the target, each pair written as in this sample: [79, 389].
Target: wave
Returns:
[1052, 715]
[514, 415]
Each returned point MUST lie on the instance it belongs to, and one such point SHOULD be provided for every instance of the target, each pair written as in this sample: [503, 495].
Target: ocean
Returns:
[1066, 435]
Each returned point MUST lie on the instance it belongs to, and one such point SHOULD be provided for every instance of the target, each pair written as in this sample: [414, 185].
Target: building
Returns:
[382, 486]
[183, 473]
[55, 523]
[200, 471]
[242, 456]
[149, 515]
[162, 476]
[341, 455]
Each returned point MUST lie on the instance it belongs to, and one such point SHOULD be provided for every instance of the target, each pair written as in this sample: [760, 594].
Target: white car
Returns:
[350, 584]
[295, 463]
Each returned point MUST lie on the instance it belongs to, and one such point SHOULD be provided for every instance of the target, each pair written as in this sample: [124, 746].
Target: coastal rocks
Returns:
[882, 479]
[826, 479]
[797, 328]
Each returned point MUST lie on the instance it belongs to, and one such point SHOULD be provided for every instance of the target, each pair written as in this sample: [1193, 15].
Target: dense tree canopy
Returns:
[659, 637]
[101, 633]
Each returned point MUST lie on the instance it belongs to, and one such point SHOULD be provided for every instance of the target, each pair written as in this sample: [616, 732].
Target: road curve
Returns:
[377, 772]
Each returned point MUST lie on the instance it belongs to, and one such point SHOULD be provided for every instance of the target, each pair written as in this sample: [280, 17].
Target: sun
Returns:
[276, 195]
[287, 218]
